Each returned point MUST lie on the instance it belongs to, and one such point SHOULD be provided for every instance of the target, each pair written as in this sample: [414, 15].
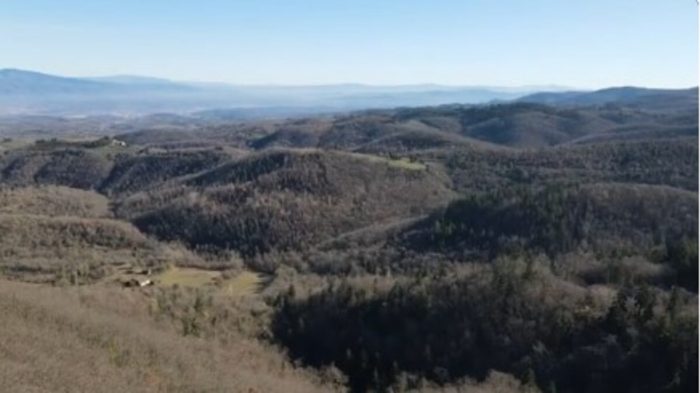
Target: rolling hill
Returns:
[518, 125]
[285, 200]
[634, 97]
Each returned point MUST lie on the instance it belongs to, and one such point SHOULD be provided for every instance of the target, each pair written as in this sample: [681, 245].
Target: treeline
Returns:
[557, 219]
[514, 317]
[671, 162]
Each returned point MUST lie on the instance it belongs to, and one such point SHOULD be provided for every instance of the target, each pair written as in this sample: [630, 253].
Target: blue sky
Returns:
[585, 43]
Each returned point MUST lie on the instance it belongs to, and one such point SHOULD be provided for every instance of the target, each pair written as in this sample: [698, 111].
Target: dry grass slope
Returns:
[77, 249]
[53, 201]
[102, 340]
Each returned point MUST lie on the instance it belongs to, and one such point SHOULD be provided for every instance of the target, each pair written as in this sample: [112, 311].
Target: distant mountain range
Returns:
[636, 97]
[27, 92]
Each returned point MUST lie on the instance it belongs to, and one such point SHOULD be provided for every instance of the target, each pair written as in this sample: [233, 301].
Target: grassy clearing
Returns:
[109, 150]
[243, 284]
[187, 277]
[14, 143]
[402, 163]
[405, 163]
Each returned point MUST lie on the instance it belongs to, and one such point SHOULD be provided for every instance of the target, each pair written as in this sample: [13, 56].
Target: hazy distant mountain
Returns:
[134, 80]
[18, 82]
[26, 92]
[650, 99]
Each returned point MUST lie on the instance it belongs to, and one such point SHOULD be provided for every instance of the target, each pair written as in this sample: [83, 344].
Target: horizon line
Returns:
[531, 86]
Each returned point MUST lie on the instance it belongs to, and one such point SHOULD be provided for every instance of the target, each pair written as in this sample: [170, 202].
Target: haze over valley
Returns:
[26, 92]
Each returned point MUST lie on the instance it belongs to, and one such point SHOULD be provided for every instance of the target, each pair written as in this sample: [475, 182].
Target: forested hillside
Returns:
[547, 245]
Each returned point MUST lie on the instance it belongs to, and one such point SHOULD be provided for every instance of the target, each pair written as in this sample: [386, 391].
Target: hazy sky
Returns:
[584, 43]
